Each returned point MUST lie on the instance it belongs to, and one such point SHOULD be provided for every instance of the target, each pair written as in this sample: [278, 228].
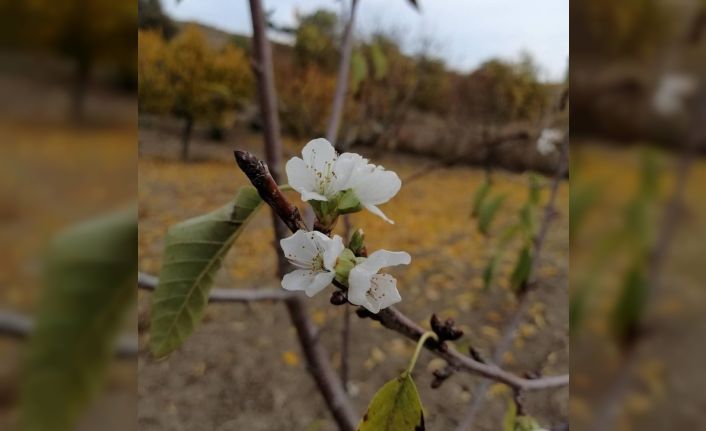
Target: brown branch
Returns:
[339, 98]
[320, 367]
[149, 282]
[266, 183]
[260, 177]
[18, 326]
[391, 318]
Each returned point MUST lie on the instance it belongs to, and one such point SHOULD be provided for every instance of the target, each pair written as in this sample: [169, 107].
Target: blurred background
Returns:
[637, 214]
[68, 127]
[449, 96]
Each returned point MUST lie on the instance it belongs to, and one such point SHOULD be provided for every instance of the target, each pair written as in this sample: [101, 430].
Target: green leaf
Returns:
[193, 254]
[379, 61]
[490, 270]
[348, 202]
[479, 197]
[522, 268]
[359, 70]
[395, 407]
[89, 285]
[526, 423]
[534, 190]
[630, 307]
[510, 417]
[487, 213]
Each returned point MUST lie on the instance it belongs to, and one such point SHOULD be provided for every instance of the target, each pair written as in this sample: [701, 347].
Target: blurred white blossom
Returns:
[672, 92]
[548, 140]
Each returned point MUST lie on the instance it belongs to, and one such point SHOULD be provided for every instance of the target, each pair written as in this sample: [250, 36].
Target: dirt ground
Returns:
[243, 370]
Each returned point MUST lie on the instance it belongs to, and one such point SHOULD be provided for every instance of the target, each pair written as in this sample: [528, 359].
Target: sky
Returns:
[464, 33]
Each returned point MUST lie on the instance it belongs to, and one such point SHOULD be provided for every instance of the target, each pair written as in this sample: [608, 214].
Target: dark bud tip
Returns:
[446, 331]
[363, 313]
[338, 298]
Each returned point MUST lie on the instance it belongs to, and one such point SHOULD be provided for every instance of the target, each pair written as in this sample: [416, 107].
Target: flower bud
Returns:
[348, 202]
[346, 262]
[357, 242]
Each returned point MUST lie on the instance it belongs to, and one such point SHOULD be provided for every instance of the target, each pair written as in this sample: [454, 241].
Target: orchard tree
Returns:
[153, 83]
[231, 82]
[87, 33]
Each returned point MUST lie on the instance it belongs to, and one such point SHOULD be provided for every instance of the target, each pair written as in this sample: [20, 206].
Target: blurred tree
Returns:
[187, 79]
[316, 40]
[433, 85]
[187, 68]
[87, 32]
[231, 82]
[151, 16]
[153, 84]
[500, 91]
[615, 29]
[305, 99]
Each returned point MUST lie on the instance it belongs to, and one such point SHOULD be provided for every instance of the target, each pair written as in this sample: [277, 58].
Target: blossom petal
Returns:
[302, 179]
[383, 258]
[319, 154]
[374, 185]
[308, 281]
[378, 212]
[384, 290]
[345, 167]
[358, 286]
[332, 250]
[299, 248]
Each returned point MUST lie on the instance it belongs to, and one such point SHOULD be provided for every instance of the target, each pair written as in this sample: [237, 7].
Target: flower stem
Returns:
[420, 344]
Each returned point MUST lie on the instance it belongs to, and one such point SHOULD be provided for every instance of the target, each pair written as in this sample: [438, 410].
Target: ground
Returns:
[243, 370]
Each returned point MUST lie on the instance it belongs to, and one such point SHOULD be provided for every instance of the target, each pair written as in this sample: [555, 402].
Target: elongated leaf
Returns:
[630, 307]
[522, 268]
[89, 286]
[359, 70]
[487, 213]
[193, 253]
[490, 270]
[479, 197]
[510, 417]
[395, 407]
[379, 61]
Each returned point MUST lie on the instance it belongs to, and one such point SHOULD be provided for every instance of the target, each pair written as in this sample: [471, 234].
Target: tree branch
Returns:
[339, 98]
[391, 318]
[19, 326]
[266, 184]
[149, 282]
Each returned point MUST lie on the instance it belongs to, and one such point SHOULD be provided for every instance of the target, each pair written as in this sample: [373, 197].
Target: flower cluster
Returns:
[340, 184]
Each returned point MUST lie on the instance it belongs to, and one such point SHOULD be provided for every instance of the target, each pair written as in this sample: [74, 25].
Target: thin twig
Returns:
[19, 326]
[149, 282]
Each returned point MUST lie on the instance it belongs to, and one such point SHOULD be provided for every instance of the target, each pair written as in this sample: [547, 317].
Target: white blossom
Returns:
[546, 144]
[322, 175]
[376, 291]
[315, 256]
[671, 93]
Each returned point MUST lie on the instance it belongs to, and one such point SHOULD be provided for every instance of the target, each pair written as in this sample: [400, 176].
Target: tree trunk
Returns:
[186, 138]
[264, 72]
